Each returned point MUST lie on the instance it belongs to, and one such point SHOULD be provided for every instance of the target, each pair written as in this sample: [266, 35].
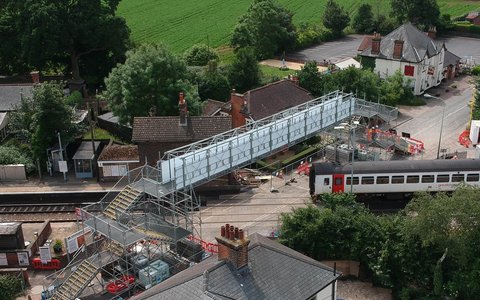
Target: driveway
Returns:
[334, 51]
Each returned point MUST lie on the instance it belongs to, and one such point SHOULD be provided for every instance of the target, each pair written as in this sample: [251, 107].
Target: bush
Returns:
[10, 155]
[476, 70]
[57, 247]
[75, 99]
[311, 34]
[10, 287]
[199, 55]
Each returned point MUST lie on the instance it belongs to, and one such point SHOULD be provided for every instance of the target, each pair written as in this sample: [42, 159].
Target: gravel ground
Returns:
[358, 290]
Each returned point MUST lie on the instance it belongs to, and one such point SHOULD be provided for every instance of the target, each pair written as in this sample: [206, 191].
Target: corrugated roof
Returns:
[168, 129]
[416, 44]
[274, 272]
[11, 95]
[85, 150]
[275, 97]
[119, 153]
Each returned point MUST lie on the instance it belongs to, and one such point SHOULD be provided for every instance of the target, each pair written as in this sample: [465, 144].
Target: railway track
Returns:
[39, 208]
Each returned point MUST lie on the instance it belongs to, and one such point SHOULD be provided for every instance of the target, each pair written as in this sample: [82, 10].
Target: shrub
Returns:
[74, 99]
[476, 70]
[57, 247]
[199, 55]
[10, 287]
[10, 155]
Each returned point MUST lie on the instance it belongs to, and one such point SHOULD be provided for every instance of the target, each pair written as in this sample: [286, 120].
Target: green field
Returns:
[180, 24]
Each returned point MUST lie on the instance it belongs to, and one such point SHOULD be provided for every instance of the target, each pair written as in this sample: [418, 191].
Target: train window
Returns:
[383, 179]
[368, 180]
[326, 181]
[413, 179]
[473, 177]
[443, 178]
[458, 177]
[355, 180]
[338, 181]
[398, 179]
[428, 178]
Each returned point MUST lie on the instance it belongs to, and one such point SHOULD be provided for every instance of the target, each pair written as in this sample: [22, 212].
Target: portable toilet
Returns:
[162, 268]
[148, 277]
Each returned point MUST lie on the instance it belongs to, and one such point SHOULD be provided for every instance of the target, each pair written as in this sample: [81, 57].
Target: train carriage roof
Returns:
[400, 166]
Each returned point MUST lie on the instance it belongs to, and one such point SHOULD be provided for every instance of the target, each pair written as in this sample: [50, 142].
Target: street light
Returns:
[351, 128]
[441, 126]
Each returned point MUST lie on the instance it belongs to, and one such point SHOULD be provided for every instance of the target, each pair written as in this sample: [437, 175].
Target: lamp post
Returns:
[351, 128]
[441, 124]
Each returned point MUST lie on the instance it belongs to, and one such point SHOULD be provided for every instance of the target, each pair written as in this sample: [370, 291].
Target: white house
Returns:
[415, 53]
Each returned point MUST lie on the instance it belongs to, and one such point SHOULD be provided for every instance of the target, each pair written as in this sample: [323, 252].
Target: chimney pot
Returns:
[35, 77]
[240, 234]
[222, 231]
[180, 98]
[236, 233]
[232, 233]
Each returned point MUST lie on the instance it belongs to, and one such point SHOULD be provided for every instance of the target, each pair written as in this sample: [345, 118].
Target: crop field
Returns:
[180, 24]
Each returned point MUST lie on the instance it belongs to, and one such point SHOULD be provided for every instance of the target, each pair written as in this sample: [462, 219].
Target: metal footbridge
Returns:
[161, 194]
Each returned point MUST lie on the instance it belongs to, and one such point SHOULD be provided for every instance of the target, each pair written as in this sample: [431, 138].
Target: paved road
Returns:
[347, 47]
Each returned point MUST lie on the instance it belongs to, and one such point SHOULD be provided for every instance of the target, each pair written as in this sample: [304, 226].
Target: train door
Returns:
[338, 183]
[324, 184]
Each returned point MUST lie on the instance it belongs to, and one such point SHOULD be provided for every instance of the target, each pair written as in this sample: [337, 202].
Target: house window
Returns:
[409, 70]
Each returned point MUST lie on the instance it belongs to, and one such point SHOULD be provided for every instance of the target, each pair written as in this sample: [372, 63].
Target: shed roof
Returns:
[274, 272]
[450, 59]
[9, 228]
[168, 129]
[211, 107]
[85, 150]
[119, 153]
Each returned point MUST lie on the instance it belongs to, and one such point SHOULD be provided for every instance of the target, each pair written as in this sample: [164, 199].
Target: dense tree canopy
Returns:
[49, 34]
[310, 79]
[267, 27]
[363, 22]
[335, 18]
[244, 72]
[396, 89]
[213, 83]
[430, 250]
[149, 83]
[419, 12]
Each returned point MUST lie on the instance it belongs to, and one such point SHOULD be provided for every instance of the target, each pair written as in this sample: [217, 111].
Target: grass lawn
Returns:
[181, 24]
[272, 72]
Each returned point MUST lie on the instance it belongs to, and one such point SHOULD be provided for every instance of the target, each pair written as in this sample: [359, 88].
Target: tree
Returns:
[363, 22]
[52, 116]
[37, 120]
[396, 89]
[476, 103]
[150, 80]
[335, 18]
[10, 287]
[310, 78]
[213, 84]
[363, 83]
[199, 55]
[419, 12]
[51, 34]
[244, 72]
[267, 27]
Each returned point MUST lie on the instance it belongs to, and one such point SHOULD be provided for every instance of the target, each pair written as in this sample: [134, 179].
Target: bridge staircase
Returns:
[123, 202]
[77, 281]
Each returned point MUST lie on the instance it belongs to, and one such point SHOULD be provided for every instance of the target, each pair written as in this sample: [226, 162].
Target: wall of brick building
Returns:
[238, 119]
[150, 150]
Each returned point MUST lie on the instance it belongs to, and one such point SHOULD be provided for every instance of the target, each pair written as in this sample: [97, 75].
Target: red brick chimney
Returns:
[233, 246]
[432, 32]
[398, 49]
[295, 79]
[35, 77]
[377, 38]
[183, 110]
[237, 102]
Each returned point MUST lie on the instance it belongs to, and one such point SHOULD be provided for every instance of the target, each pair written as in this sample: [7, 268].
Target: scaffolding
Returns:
[148, 220]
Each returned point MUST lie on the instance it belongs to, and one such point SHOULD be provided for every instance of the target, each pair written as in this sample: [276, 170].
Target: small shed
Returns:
[85, 159]
[116, 160]
[11, 236]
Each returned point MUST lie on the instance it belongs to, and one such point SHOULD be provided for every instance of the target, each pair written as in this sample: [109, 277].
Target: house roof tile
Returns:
[274, 272]
[210, 107]
[416, 44]
[11, 95]
[275, 97]
[168, 129]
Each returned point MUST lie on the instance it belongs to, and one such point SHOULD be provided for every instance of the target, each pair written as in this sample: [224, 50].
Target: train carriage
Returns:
[393, 178]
